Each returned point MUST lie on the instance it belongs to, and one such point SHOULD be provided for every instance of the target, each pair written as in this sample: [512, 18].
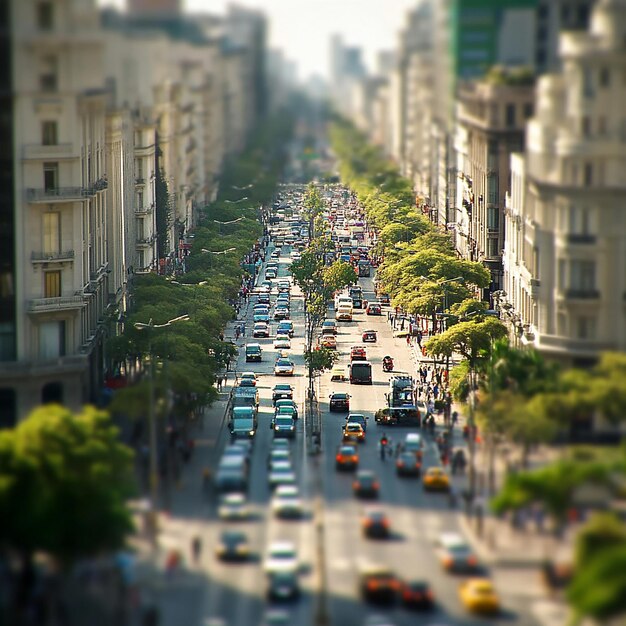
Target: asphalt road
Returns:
[331, 533]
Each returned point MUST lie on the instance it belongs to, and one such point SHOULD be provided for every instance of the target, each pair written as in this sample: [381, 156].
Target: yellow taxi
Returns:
[346, 458]
[436, 479]
[353, 431]
[478, 595]
[328, 341]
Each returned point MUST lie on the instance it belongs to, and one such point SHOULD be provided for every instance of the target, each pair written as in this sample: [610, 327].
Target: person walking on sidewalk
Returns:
[196, 549]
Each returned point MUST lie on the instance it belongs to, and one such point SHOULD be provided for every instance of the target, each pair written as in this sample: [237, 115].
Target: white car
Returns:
[281, 473]
[283, 367]
[233, 506]
[296, 256]
[282, 342]
[281, 557]
[261, 329]
[286, 501]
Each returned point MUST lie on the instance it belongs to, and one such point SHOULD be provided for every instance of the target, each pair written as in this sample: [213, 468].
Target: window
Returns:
[139, 168]
[493, 249]
[50, 176]
[51, 232]
[562, 275]
[561, 324]
[52, 340]
[140, 199]
[48, 74]
[605, 77]
[45, 15]
[141, 260]
[588, 174]
[52, 284]
[582, 275]
[528, 110]
[49, 133]
[602, 125]
[587, 82]
[492, 190]
[493, 218]
[586, 126]
[510, 115]
[586, 327]
[140, 229]
[535, 262]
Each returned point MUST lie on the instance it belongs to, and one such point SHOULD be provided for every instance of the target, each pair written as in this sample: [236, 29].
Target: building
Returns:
[565, 250]
[490, 125]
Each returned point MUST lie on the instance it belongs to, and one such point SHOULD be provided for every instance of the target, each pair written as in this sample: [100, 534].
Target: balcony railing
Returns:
[144, 241]
[143, 210]
[100, 185]
[51, 257]
[582, 294]
[63, 303]
[140, 180]
[62, 194]
[581, 238]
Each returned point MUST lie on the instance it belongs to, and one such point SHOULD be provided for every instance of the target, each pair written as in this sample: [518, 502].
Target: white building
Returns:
[565, 251]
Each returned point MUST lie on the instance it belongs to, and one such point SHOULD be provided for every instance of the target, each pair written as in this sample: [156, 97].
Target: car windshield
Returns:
[340, 396]
[282, 388]
[284, 421]
[285, 362]
[354, 427]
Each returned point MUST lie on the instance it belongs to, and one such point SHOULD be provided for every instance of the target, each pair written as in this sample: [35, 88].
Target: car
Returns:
[261, 317]
[275, 254]
[416, 595]
[283, 367]
[248, 379]
[407, 464]
[283, 586]
[369, 336]
[286, 411]
[282, 391]
[347, 458]
[281, 313]
[353, 431]
[358, 353]
[284, 286]
[375, 523]
[455, 554]
[232, 546]
[268, 285]
[253, 352]
[365, 484]
[384, 298]
[286, 325]
[328, 341]
[282, 342]
[338, 373]
[329, 326]
[413, 443]
[343, 314]
[280, 444]
[284, 301]
[378, 583]
[287, 404]
[233, 506]
[236, 451]
[339, 401]
[278, 454]
[435, 479]
[283, 426]
[261, 329]
[358, 418]
[478, 595]
[271, 273]
[286, 502]
[281, 556]
[261, 308]
[374, 308]
[280, 473]
[263, 298]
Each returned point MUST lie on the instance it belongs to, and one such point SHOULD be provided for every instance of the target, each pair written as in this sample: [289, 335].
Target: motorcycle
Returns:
[387, 364]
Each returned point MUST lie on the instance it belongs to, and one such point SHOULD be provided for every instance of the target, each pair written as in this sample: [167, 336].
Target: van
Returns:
[343, 300]
[243, 422]
[253, 352]
[343, 314]
[247, 397]
[361, 373]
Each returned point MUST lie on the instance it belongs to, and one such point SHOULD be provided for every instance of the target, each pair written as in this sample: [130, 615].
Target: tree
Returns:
[319, 359]
[71, 477]
[339, 275]
[598, 588]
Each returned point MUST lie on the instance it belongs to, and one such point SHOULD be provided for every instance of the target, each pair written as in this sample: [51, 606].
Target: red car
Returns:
[358, 353]
[369, 336]
[374, 308]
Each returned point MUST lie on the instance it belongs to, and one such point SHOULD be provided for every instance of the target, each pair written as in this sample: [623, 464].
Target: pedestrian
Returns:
[455, 418]
[196, 549]
[402, 324]
[418, 338]
[218, 382]
[237, 331]
[206, 481]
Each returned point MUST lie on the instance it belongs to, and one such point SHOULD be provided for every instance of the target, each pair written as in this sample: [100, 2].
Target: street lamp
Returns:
[217, 252]
[154, 476]
[243, 188]
[239, 219]
[235, 201]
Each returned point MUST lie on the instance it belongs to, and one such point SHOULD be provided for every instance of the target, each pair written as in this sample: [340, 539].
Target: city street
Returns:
[234, 594]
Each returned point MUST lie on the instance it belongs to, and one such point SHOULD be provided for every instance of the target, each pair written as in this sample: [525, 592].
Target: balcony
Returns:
[58, 194]
[53, 153]
[144, 242]
[52, 257]
[140, 180]
[143, 210]
[51, 305]
[100, 185]
[582, 294]
[584, 239]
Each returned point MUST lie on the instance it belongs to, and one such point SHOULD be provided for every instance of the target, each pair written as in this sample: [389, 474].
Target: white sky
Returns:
[302, 28]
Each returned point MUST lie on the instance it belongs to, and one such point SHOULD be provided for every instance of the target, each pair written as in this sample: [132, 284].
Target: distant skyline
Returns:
[303, 28]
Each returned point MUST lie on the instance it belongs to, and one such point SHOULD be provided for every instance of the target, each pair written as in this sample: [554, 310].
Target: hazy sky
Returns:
[302, 28]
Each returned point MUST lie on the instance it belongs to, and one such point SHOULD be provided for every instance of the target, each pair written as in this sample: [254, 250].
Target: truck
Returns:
[364, 268]
[356, 293]
[245, 396]
[401, 408]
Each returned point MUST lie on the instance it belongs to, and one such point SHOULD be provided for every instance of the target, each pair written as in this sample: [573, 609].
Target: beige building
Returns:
[491, 117]
[565, 252]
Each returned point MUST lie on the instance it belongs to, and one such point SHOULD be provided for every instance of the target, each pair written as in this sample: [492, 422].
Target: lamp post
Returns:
[154, 475]
[235, 201]
[216, 253]
[239, 219]
[243, 188]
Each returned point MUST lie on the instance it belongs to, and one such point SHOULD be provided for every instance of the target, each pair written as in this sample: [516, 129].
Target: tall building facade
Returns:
[565, 251]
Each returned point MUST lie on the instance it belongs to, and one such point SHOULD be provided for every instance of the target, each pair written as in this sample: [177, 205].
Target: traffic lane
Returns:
[400, 499]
